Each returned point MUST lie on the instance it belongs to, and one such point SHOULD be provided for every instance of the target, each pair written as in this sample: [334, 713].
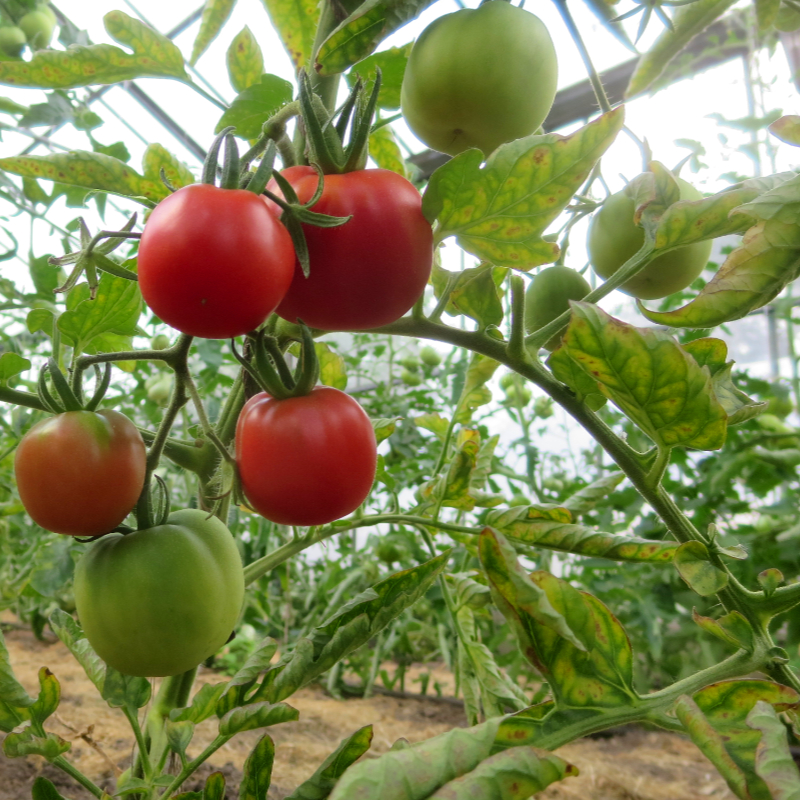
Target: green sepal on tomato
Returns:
[370, 271]
[160, 601]
[80, 472]
[305, 460]
[479, 78]
[614, 238]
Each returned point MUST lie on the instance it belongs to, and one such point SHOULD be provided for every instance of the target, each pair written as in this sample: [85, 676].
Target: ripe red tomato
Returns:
[80, 472]
[369, 271]
[212, 263]
[306, 460]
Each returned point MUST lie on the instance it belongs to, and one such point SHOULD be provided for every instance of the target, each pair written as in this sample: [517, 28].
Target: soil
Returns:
[635, 765]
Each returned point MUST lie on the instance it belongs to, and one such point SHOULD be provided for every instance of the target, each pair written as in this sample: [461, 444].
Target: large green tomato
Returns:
[12, 40]
[38, 26]
[162, 600]
[614, 238]
[479, 78]
[548, 297]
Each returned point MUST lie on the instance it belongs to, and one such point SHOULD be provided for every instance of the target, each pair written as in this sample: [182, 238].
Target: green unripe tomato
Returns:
[410, 378]
[519, 500]
[411, 363]
[159, 387]
[548, 297]
[430, 357]
[479, 78]
[162, 600]
[614, 238]
[508, 380]
[518, 395]
[553, 484]
[787, 19]
[12, 40]
[160, 342]
[389, 552]
[543, 407]
[38, 27]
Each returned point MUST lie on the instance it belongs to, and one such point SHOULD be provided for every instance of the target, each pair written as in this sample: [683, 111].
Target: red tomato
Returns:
[369, 271]
[80, 472]
[306, 460]
[212, 263]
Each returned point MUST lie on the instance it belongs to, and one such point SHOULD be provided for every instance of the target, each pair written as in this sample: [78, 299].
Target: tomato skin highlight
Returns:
[369, 271]
[479, 78]
[212, 263]
[306, 460]
[81, 472]
[160, 601]
[614, 238]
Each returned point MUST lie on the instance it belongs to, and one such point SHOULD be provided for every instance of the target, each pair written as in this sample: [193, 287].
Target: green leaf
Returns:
[98, 171]
[774, 763]
[245, 678]
[296, 23]
[687, 21]
[115, 309]
[384, 428]
[434, 423]
[332, 370]
[215, 15]
[499, 212]
[40, 319]
[255, 105]
[473, 291]
[766, 11]
[385, 151]
[732, 628]
[475, 392]
[787, 129]
[513, 775]
[154, 55]
[26, 743]
[570, 373]
[43, 789]
[203, 706]
[257, 772]
[452, 488]
[717, 720]
[770, 580]
[9, 106]
[14, 700]
[321, 783]
[518, 523]
[363, 31]
[214, 788]
[49, 697]
[693, 563]
[245, 61]
[179, 734]
[44, 275]
[590, 667]
[584, 500]
[256, 715]
[413, 773]
[392, 64]
[647, 374]
[12, 364]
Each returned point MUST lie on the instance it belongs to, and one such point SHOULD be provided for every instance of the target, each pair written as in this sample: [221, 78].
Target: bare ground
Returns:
[637, 765]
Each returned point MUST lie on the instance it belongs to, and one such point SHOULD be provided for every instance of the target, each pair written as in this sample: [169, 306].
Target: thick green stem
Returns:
[173, 693]
[21, 398]
[77, 775]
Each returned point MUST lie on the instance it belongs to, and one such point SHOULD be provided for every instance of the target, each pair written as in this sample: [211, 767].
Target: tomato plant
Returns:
[214, 262]
[305, 460]
[479, 78]
[161, 600]
[80, 472]
[614, 238]
[548, 297]
[369, 271]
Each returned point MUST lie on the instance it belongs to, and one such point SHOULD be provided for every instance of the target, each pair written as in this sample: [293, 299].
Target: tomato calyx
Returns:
[68, 396]
[268, 368]
[325, 133]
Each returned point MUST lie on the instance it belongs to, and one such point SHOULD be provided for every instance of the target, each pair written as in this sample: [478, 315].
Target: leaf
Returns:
[296, 23]
[115, 309]
[43, 789]
[214, 788]
[355, 38]
[475, 394]
[384, 428]
[392, 64]
[40, 319]
[499, 212]
[154, 55]
[256, 715]
[331, 366]
[584, 500]
[26, 743]
[413, 773]
[179, 734]
[255, 105]
[434, 423]
[99, 171]
[12, 364]
[246, 676]
[257, 772]
[321, 783]
[513, 775]
[732, 628]
[48, 699]
[774, 763]
[203, 706]
[592, 666]
[215, 15]
[14, 700]
[565, 537]
[687, 22]
[572, 375]
[649, 377]
[694, 565]
[766, 11]
[787, 129]
[473, 291]
[9, 106]
[452, 488]
[245, 61]
[385, 151]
